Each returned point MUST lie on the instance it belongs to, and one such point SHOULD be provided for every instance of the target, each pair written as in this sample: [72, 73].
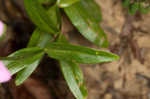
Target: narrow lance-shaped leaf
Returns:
[55, 15]
[70, 78]
[79, 54]
[16, 66]
[25, 56]
[86, 24]
[79, 78]
[25, 73]
[93, 9]
[28, 70]
[23, 53]
[26, 52]
[77, 74]
[35, 37]
[41, 40]
[3, 28]
[66, 3]
[39, 16]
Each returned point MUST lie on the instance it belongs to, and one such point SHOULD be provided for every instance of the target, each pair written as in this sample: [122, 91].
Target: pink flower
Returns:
[1, 28]
[4, 73]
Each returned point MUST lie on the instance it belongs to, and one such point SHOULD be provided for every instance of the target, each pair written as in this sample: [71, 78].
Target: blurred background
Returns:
[129, 37]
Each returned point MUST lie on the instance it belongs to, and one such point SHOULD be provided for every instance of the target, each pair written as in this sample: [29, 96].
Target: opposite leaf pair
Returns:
[80, 12]
[85, 15]
[26, 60]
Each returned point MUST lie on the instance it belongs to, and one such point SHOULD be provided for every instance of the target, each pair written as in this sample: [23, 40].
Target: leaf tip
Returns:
[17, 83]
[116, 57]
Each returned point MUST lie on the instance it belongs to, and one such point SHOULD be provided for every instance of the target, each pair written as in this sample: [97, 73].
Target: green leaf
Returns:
[77, 73]
[126, 3]
[4, 30]
[25, 57]
[39, 38]
[79, 54]
[25, 73]
[54, 13]
[10, 58]
[62, 39]
[79, 77]
[66, 3]
[93, 9]
[40, 17]
[26, 52]
[86, 24]
[134, 8]
[69, 76]
[34, 40]
[16, 66]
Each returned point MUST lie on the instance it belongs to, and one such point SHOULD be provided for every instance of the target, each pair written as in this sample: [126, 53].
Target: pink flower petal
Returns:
[4, 73]
[1, 28]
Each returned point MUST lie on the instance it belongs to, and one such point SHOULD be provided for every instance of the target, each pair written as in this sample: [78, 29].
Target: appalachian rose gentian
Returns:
[4, 73]
[1, 28]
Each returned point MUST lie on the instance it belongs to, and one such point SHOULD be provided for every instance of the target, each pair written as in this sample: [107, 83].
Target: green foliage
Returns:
[87, 22]
[26, 72]
[78, 54]
[25, 57]
[90, 6]
[40, 16]
[47, 38]
[72, 77]
[142, 6]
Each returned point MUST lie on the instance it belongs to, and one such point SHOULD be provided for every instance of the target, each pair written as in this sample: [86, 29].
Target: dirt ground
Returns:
[127, 78]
